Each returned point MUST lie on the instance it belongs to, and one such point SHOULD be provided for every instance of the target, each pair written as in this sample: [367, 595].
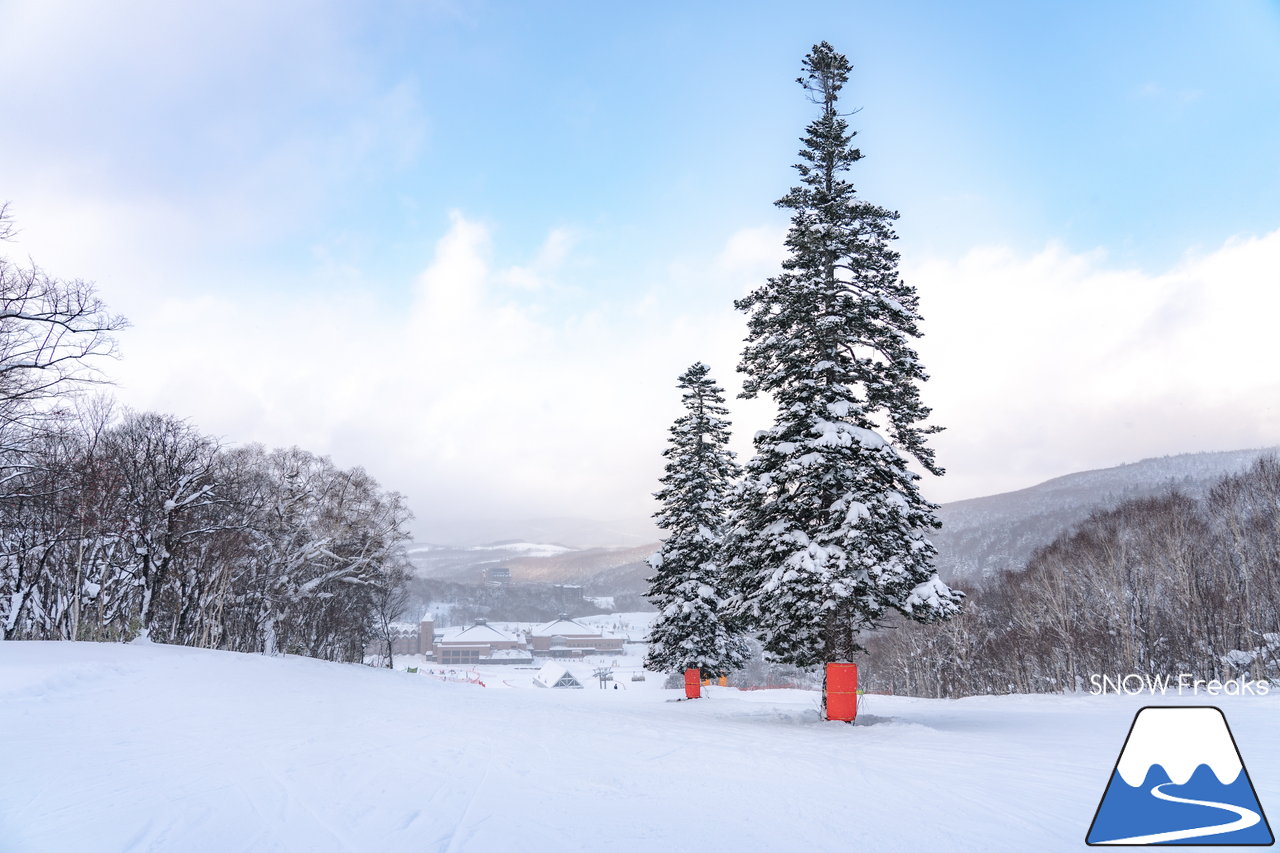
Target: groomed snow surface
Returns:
[162, 748]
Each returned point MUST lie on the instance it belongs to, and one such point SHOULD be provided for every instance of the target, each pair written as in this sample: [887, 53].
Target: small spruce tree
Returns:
[687, 587]
[829, 528]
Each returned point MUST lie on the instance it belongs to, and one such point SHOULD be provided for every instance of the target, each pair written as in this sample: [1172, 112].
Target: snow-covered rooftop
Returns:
[510, 654]
[480, 632]
[565, 627]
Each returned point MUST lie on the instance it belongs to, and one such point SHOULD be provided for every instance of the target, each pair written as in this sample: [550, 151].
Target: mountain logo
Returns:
[1180, 780]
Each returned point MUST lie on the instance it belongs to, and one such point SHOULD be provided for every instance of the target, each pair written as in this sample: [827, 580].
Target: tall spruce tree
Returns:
[688, 584]
[829, 527]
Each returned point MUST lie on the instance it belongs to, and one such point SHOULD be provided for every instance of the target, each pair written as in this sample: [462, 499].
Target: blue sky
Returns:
[410, 234]
[1146, 129]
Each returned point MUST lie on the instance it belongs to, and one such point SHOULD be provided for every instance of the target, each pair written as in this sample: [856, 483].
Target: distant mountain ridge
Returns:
[979, 538]
[532, 562]
[580, 533]
[983, 536]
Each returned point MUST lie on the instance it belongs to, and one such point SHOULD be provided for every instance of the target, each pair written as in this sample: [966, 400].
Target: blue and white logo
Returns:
[1180, 780]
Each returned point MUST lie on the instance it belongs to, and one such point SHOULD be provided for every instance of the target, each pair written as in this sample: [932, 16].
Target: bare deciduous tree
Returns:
[111, 528]
[1162, 585]
[52, 333]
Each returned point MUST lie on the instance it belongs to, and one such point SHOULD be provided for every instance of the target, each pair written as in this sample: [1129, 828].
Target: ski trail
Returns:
[454, 841]
[1246, 818]
[292, 798]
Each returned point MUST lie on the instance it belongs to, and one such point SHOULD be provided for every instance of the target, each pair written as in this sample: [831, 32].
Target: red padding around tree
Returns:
[842, 691]
[692, 684]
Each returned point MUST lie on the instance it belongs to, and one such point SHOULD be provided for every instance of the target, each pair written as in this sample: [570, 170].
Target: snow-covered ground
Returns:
[146, 747]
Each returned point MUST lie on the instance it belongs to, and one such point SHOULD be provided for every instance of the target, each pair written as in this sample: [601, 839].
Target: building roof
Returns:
[565, 627]
[481, 632]
[510, 654]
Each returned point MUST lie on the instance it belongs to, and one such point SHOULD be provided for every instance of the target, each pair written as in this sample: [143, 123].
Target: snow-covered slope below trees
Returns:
[982, 536]
[161, 748]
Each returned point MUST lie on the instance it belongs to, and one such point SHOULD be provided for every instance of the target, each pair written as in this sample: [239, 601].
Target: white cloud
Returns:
[480, 399]
[190, 126]
[1057, 362]
[476, 401]
[550, 258]
[755, 249]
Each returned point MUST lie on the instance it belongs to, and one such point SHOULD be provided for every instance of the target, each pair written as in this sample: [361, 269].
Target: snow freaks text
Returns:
[1135, 683]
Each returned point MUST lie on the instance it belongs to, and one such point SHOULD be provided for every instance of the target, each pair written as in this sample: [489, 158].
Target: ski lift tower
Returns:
[605, 674]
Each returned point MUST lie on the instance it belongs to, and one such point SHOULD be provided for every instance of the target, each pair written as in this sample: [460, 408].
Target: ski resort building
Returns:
[481, 643]
[565, 638]
[408, 639]
[499, 576]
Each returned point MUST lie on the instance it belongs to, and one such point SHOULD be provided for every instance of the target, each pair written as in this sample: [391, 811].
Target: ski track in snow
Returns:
[1245, 818]
[159, 748]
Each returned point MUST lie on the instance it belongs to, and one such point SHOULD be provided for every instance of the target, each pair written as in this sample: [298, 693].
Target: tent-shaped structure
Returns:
[554, 675]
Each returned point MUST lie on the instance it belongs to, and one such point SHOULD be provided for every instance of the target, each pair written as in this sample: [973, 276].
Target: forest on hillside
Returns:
[117, 524]
[454, 603]
[1161, 585]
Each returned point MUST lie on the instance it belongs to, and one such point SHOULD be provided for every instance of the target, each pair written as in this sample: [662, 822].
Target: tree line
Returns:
[1162, 586]
[115, 525]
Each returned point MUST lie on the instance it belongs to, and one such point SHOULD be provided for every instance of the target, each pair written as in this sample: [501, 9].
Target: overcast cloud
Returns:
[477, 403]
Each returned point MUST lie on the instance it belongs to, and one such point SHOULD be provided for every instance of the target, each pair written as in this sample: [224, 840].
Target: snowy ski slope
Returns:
[160, 748]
